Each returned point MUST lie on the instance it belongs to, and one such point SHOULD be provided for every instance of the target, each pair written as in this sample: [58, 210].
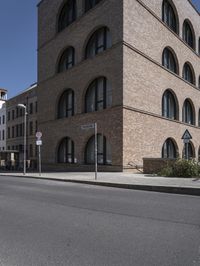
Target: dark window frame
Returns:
[95, 40]
[169, 60]
[31, 108]
[65, 97]
[8, 115]
[188, 112]
[65, 141]
[166, 99]
[188, 34]
[168, 148]
[31, 128]
[94, 85]
[64, 19]
[188, 73]
[191, 150]
[102, 154]
[170, 16]
[89, 4]
[64, 62]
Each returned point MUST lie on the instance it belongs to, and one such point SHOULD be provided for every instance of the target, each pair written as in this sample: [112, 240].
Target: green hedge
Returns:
[182, 168]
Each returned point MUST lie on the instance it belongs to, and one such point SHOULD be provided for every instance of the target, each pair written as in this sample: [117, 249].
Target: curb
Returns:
[163, 189]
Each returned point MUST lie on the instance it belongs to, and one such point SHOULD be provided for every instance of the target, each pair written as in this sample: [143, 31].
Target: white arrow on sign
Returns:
[38, 142]
[186, 135]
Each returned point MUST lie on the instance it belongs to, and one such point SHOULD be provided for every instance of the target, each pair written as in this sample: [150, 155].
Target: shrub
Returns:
[182, 168]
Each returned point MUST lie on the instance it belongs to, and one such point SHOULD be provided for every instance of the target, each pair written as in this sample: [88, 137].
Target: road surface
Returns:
[56, 223]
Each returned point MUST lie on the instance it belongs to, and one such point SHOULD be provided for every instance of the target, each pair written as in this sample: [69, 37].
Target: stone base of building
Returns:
[80, 168]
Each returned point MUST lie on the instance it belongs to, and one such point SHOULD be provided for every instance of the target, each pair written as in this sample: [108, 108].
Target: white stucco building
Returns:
[3, 98]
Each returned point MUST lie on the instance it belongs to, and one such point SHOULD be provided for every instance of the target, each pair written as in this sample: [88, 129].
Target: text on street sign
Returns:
[38, 142]
[88, 126]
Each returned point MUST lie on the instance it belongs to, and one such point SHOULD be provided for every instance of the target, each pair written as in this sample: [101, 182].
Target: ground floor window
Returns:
[191, 151]
[169, 149]
[66, 151]
[103, 150]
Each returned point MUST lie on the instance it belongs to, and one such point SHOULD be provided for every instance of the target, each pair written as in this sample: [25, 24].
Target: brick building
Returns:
[15, 124]
[131, 66]
[3, 98]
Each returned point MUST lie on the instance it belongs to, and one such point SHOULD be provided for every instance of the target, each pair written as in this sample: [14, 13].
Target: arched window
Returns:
[189, 147]
[199, 119]
[188, 34]
[169, 105]
[98, 42]
[104, 154]
[169, 61]
[199, 82]
[199, 46]
[188, 73]
[98, 95]
[169, 149]
[169, 15]
[66, 104]
[67, 14]
[66, 151]
[188, 112]
[67, 60]
[90, 4]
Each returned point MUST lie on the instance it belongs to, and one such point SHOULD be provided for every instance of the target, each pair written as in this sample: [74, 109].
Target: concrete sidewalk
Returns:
[139, 181]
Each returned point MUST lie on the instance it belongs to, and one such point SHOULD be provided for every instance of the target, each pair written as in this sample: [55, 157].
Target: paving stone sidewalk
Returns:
[122, 180]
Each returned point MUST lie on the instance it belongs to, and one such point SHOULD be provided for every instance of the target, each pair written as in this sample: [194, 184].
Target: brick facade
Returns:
[133, 125]
[15, 125]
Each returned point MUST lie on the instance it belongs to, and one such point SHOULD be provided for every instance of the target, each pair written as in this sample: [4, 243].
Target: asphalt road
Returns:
[55, 223]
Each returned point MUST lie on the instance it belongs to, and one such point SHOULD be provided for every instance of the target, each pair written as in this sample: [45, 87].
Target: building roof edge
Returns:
[34, 85]
[190, 1]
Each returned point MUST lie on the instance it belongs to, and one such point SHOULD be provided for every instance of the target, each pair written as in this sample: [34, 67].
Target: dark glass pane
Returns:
[66, 151]
[191, 153]
[169, 149]
[67, 15]
[169, 61]
[99, 95]
[90, 4]
[169, 106]
[188, 35]
[99, 41]
[187, 73]
[66, 104]
[169, 16]
[188, 115]
[67, 60]
[103, 151]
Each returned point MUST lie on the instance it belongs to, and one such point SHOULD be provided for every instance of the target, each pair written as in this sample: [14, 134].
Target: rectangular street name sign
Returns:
[38, 142]
[88, 126]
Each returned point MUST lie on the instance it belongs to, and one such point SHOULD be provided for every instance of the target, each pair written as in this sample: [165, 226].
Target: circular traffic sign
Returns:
[38, 135]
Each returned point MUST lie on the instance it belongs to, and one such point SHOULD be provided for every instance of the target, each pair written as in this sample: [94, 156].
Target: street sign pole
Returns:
[186, 139]
[187, 152]
[39, 159]
[93, 126]
[95, 150]
[39, 143]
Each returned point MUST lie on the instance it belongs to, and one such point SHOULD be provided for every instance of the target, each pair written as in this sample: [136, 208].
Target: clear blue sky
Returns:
[197, 4]
[18, 44]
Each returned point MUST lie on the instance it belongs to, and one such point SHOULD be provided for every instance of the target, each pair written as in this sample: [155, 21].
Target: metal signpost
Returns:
[93, 126]
[39, 143]
[186, 139]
